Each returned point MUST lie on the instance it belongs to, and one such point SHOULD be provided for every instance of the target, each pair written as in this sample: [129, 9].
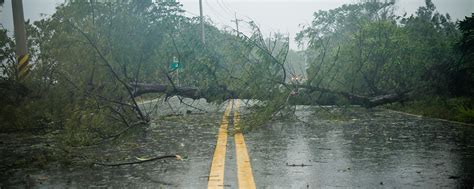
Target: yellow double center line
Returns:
[216, 177]
[244, 169]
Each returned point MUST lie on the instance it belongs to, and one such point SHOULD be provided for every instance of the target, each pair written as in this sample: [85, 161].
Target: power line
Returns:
[217, 15]
[226, 6]
[214, 10]
[225, 9]
[192, 13]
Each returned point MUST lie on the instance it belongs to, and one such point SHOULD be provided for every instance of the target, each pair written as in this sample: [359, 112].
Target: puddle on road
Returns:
[363, 148]
[360, 148]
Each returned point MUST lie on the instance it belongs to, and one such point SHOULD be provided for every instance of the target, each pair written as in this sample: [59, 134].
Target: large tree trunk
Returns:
[386, 99]
[362, 100]
[144, 88]
[194, 93]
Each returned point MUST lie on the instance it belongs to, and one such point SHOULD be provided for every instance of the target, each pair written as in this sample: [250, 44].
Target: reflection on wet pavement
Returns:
[373, 148]
[363, 148]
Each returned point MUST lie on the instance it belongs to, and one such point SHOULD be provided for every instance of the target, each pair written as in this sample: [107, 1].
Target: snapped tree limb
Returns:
[359, 99]
[144, 88]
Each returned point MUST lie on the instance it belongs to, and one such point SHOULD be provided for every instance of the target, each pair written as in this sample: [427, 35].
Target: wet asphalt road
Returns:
[372, 149]
[364, 149]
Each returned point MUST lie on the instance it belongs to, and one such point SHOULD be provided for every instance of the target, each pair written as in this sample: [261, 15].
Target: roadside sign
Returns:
[175, 64]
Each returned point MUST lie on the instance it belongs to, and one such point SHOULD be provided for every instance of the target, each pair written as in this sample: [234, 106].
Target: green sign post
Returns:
[175, 64]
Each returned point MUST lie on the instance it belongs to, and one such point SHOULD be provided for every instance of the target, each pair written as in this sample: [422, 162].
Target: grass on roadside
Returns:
[456, 109]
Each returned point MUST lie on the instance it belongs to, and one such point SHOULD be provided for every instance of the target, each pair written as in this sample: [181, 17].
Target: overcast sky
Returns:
[283, 16]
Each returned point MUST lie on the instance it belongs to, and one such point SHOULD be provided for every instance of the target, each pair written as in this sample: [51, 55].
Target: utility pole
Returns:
[203, 39]
[19, 27]
[237, 24]
[20, 38]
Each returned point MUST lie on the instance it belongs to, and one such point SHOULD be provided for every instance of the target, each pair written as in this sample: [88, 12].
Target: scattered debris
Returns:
[178, 157]
[297, 165]
[317, 161]
[454, 177]
[324, 148]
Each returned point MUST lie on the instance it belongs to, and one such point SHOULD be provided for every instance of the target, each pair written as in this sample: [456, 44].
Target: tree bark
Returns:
[194, 93]
[144, 88]
[359, 99]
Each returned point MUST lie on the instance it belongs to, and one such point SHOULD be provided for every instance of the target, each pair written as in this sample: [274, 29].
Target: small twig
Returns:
[297, 165]
[171, 107]
[138, 162]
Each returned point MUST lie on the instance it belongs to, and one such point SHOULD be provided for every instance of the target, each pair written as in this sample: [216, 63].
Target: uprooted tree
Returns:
[93, 60]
